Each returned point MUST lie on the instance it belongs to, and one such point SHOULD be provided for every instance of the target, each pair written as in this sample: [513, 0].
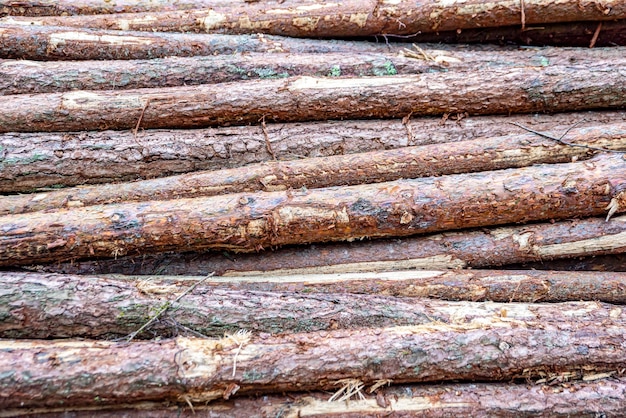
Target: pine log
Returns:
[373, 167]
[39, 373]
[349, 18]
[613, 262]
[31, 161]
[61, 43]
[451, 250]
[249, 222]
[593, 395]
[493, 91]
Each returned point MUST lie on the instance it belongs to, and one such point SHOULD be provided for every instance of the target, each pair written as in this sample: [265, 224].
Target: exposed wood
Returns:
[492, 347]
[373, 167]
[579, 398]
[249, 222]
[349, 18]
[503, 91]
[29, 161]
[499, 246]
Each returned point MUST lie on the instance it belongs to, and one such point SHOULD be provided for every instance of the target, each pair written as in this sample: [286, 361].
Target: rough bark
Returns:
[614, 262]
[60, 43]
[349, 18]
[500, 91]
[373, 167]
[498, 246]
[66, 306]
[587, 398]
[30, 161]
[65, 373]
[251, 221]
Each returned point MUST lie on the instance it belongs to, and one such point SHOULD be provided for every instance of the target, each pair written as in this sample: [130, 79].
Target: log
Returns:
[61, 43]
[614, 262]
[594, 394]
[75, 306]
[31, 161]
[201, 370]
[249, 222]
[451, 250]
[350, 18]
[372, 167]
[523, 90]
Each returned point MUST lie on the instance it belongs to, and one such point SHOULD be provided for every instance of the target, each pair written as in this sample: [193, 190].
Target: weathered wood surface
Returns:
[35, 160]
[249, 222]
[499, 91]
[61, 43]
[497, 347]
[66, 306]
[483, 154]
[589, 397]
[450, 250]
[349, 18]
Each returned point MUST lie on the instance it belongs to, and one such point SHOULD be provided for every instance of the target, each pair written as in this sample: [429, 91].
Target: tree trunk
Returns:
[497, 246]
[199, 370]
[349, 18]
[558, 88]
[60, 43]
[613, 262]
[590, 397]
[373, 167]
[251, 221]
[31, 161]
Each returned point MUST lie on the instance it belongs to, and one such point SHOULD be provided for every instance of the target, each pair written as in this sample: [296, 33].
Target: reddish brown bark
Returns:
[348, 18]
[374, 167]
[65, 373]
[557, 88]
[30, 161]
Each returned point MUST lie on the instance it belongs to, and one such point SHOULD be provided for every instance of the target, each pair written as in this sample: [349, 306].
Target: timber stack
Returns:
[304, 208]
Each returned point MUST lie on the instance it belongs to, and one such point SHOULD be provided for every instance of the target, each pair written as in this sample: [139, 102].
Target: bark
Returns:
[37, 373]
[614, 262]
[30, 161]
[249, 222]
[19, 76]
[498, 246]
[373, 167]
[66, 306]
[350, 18]
[588, 398]
[60, 43]
[522, 90]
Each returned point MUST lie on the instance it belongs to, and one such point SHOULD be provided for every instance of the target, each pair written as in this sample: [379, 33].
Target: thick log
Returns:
[60, 43]
[349, 18]
[251, 221]
[66, 306]
[497, 246]
[591, 396]
[492, 347]
[31, 161]
[503, 91]
[373, 167]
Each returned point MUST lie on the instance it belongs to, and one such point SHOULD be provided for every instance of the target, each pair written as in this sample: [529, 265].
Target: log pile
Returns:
[301, 208]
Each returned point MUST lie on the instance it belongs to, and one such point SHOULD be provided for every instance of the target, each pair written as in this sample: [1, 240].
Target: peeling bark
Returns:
[30, 161]
[522, 90]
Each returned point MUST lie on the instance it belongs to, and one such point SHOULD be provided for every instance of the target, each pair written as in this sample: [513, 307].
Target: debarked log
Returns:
[37, 373]
[38, 160]
[296, 99]
[373, 167]
[249, 222]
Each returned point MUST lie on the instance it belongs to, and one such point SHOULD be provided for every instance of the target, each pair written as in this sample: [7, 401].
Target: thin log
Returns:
[613, 262]
[451, 250]
[499, 91]
[200, 370]
[594, 394]
[373, 167]
[349, 18]
[61, 43]
[251, 221]
[30, 161]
